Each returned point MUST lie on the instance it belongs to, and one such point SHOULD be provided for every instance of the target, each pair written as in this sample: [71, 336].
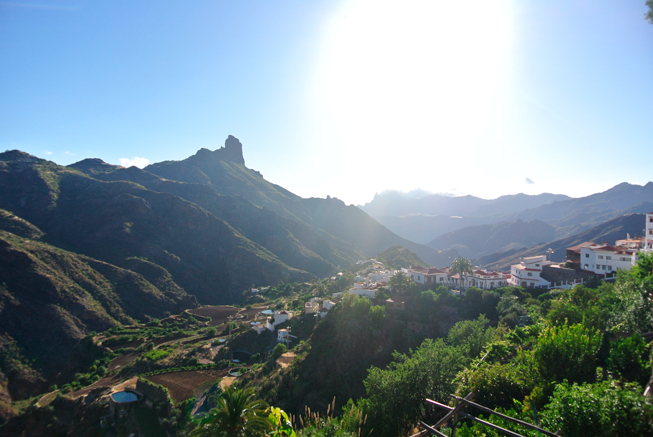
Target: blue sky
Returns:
[343, 98]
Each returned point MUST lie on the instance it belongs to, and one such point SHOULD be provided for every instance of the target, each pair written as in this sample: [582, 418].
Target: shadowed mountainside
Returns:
[475, 241]
[50, 299]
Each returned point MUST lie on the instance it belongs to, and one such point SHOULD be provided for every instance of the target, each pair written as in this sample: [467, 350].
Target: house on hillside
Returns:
[279, 318]
[427, 276]
[311, 307]
[527, 273]
[487, 280]
[605, 260]
[361, 289]
[573, 254]
[283, 336]
[259, 328]
[648, 234]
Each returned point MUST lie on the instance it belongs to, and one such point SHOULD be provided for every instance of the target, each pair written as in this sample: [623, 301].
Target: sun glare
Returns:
[412, 82]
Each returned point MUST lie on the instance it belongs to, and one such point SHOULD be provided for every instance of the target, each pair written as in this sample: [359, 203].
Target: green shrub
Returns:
[157, 354]
[279, 350]
[629, 358]
[597, 410]
[567, 352]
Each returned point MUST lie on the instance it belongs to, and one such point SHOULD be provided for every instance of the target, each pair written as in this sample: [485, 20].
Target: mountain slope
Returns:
[477, 241]
[116, 221]
[51, 298]
[425, 218]
[294, 243]
[572, 211]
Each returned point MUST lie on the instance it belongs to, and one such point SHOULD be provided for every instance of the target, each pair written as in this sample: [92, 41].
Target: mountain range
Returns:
[91, 245]
[478, 227]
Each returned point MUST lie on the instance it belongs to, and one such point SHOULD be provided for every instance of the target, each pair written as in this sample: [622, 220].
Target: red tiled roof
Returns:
[581, 245]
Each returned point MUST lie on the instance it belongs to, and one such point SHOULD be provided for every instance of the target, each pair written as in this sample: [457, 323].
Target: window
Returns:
[586, 266]
[587, 255]
[610, 268]
[530, 274]
[441, 279]
[608, 257]
[603, 267]
[537, 265]
[600, 256]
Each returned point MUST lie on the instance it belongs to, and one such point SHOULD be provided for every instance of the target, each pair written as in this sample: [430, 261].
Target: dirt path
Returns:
[227, 381]
[285, 359]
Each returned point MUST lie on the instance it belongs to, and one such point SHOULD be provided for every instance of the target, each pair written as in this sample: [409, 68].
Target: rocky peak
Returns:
[232, 151]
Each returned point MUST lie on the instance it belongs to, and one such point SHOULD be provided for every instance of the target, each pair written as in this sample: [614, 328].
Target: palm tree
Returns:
[238, 414]
[462, 266]
[399, 282]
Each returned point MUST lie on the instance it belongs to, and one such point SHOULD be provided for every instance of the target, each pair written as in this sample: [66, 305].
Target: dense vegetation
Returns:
[511, 359]
[367, 370]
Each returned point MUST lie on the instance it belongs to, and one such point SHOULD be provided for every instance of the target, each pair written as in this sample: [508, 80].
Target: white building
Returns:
[427, 276]
[487, 280]
[527, 273]
[258, 327]
[279, 317]
[604, 259]
[361, 289]
[311, 307]
[648, 237]
[283, 336]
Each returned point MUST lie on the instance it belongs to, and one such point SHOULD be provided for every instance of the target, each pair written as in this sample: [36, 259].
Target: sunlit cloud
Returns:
[47, 152]
[69, 153]
[529, 181]
[134, 162]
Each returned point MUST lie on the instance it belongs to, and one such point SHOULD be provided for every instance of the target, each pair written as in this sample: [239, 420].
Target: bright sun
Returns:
[416, 76]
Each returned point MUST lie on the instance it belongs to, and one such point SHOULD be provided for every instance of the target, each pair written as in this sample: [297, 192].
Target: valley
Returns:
[181, 280]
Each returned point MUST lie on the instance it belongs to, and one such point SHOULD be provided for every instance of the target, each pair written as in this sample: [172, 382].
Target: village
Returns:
[583, 262]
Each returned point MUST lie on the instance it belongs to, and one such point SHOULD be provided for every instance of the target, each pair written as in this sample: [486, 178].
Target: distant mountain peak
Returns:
[232, 151]
[93, 166]
[18, 156]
